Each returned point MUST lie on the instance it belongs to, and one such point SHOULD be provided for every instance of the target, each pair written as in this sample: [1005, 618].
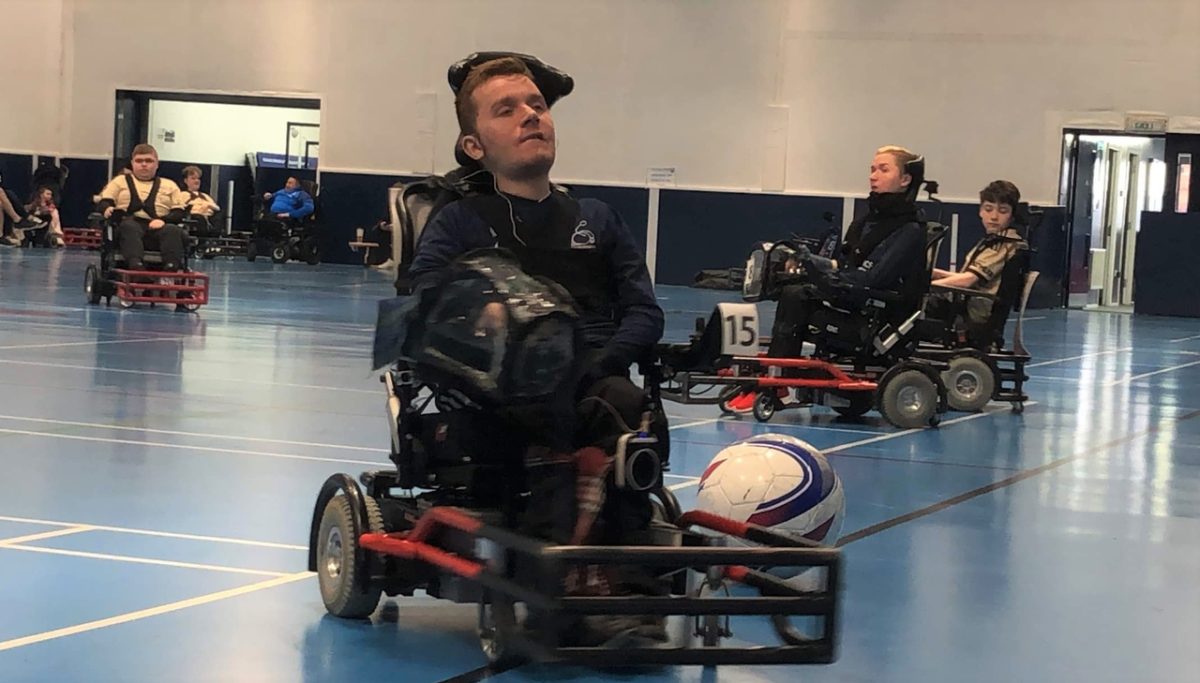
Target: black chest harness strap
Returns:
[136, 203]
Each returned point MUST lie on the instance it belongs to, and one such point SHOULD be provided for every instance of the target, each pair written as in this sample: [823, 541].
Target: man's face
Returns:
[192, 181]
[887, 176]
[145, 166]
[514, 130]
[291, 184]
[996, 217]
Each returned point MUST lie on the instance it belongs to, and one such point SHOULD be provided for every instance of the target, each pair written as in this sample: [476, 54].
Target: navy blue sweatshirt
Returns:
[457, 229]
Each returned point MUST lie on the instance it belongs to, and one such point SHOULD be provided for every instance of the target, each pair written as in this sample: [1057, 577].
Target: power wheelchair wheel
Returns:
[969, 384]
[497, 627]
[251, 250]
[309, 252]
[765, 403]
[341, 576]
[909, 400]
[91, 285]
[860, 404]
[727, 394]
[280, 252]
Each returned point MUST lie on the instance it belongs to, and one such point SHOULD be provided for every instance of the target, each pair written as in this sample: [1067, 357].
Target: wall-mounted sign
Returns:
[661, 177]
[1142, 123]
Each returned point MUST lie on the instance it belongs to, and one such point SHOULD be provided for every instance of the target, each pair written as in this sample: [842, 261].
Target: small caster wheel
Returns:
[764, 406]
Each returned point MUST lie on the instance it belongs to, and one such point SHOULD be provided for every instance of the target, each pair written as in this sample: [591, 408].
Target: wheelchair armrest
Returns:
[962, 291]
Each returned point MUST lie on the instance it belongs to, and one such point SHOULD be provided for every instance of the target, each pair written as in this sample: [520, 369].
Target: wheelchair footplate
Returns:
[511, 569]
[188, 289]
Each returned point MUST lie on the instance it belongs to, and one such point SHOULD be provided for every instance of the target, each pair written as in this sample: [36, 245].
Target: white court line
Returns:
[156, 373]
[207, 449]
[1038, 317]
[90, 343]
[147, 430]
[877, 439]
[1183, 339]
[1086, 355]
[697, 423]
[152, 611]
[1151, 374]
[140, 560]
[149, 532]
[46, 534]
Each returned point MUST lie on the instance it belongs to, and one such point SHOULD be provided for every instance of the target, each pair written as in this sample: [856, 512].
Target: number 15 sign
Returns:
[739, 329]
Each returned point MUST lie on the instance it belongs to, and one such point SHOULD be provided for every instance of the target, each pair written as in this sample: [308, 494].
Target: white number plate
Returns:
[739, 329]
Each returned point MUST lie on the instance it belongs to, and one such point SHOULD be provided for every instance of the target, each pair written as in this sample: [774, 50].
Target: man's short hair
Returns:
[902, 155]
[1001, 192]
[464, 103]
[189, 171]
[144, 149]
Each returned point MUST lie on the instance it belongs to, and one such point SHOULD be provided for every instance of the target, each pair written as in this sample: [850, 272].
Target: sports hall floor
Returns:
[159, 470]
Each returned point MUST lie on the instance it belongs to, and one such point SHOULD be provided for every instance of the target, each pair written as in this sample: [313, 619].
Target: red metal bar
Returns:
[708, 520]
[81, 237]
[190, 282]
[801, 383]
[398, 546]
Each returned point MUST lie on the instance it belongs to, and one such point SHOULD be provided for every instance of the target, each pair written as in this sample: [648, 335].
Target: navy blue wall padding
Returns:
[631, 203]
[17, 170]
[350, 201]
[87, 177]
[1164, 273]
[699, 230]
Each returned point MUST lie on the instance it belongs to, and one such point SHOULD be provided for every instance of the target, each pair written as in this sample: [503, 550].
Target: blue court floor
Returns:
[159, 471]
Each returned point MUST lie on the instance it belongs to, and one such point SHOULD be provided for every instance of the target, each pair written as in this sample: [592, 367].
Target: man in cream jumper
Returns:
[153, 207]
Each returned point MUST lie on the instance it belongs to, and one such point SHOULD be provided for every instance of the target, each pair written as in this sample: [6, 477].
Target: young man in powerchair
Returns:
[582, 245]
[883, 250]
[153, 208]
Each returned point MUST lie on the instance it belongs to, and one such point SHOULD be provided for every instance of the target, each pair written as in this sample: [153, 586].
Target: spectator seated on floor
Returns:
[45, 209]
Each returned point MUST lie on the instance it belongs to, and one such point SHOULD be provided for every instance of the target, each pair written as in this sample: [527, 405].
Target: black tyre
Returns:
[497, 628]
[970, 383]
[764, 405]
[726, 395]
[909, 400]
[279, 252]
[339, 569]
[251, 251]
[309, 252]
[91, 285]
[861, 403]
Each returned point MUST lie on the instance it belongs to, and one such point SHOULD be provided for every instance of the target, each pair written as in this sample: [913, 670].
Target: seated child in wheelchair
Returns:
[883, 251]
[152, 207]
[984, 266]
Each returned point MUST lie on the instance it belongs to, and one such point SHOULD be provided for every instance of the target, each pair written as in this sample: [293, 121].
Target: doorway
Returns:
[1108, 180]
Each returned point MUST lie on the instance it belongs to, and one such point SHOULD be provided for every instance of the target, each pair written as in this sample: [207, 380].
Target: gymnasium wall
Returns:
[789, 97]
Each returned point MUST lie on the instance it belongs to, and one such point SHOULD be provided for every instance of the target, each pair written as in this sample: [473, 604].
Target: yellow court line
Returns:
[46, 534]
[139, 560]
[149, 532]
[152, 611]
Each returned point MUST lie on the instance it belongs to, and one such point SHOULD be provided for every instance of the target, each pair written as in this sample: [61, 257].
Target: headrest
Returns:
[553, 84]
[916, 169]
